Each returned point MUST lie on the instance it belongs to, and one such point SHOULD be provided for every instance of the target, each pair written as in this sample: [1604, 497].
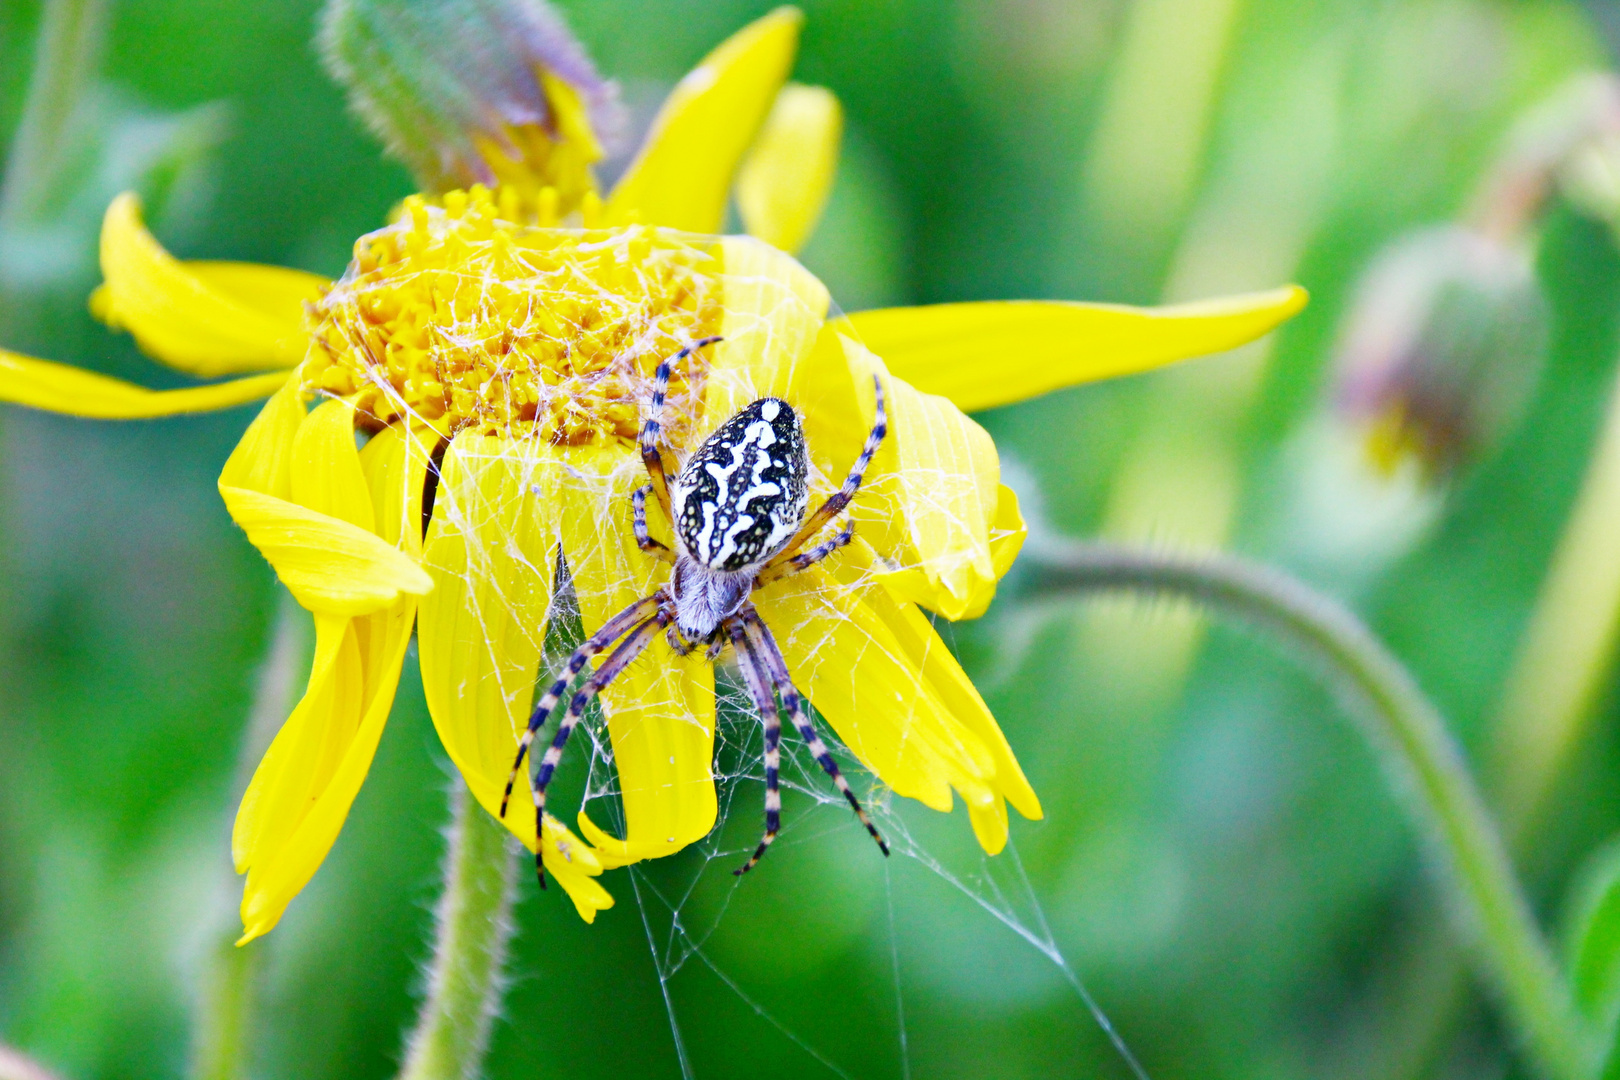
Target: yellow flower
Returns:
[496, 350]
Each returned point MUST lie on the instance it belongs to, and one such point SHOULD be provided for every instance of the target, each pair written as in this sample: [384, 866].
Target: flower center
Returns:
[459, 318]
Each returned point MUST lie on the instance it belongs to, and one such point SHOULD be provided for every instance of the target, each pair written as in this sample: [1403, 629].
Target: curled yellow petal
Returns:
[491, 552]
[784, 182]
[61, 388]
[682, 176]
[981, 355]
[328, 564]
[660, 711]
[205, 318]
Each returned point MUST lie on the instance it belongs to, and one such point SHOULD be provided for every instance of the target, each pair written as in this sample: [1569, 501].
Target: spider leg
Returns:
[804, 560]
[621, 657]
[759, 689]
[839, 499]
[651, 456]
[644, 540]
[760, 637]
[610, 632]
[679, 644]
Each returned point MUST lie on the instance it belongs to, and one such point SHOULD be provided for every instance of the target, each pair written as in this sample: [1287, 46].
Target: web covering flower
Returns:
[493, 349]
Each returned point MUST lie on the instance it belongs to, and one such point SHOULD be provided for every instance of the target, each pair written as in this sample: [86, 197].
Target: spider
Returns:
[730, 539]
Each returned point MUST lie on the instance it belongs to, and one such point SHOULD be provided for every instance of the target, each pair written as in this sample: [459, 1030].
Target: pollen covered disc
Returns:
[458, 317]
[742, 494]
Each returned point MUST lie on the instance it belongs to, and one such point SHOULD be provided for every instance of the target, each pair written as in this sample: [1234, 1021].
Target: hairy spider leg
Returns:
[759, 689]
[760, 637]
[651, 456]
[610, 632]
[619, 659]
[644, 540]
[804, 560]
[839, 499]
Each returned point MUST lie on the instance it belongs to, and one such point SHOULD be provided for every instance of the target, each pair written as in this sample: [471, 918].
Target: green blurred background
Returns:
[1221, 862]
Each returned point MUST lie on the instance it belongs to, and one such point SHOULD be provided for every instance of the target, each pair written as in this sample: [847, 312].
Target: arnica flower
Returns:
[455, 419]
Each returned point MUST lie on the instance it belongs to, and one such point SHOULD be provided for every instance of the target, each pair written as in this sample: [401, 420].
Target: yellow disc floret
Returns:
[459, 318]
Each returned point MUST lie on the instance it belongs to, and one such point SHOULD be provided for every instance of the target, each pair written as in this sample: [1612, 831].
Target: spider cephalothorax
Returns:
[737, 508]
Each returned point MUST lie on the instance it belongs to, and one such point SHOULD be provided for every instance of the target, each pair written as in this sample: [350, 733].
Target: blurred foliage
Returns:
[1220, 863]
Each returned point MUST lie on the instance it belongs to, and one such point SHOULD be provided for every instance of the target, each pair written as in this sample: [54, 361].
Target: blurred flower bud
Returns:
[1441, 350]
[474, 91]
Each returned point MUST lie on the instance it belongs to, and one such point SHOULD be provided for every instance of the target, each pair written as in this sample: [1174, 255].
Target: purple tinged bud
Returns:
[474, 91]
[1441, 350]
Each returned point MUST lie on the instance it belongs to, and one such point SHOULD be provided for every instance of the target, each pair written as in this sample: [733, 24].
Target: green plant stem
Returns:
[1410, 740]
[467, 976]
[69, 47]
[223, 1017]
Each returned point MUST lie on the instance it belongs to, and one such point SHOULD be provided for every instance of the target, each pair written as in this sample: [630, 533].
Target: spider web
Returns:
[679, 921]
[681, 906]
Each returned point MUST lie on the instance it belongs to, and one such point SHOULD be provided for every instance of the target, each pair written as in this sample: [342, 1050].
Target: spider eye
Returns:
[742, 495]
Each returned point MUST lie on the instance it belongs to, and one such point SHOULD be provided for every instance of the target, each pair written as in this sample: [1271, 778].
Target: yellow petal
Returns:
[865, 681]
[329, 565]
[784, 182]
[491, 551]
[773, 312]
[204, 318]
[660, 712]
[981, 355]
[302, 790]
[1007, 534]
[683, 174]
[262, 460]
[61, 388]
[395, 462]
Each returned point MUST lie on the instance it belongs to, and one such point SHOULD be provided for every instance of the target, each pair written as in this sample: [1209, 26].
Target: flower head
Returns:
[459, 411]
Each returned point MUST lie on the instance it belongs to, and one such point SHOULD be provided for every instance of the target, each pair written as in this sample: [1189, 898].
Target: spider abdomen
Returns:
[742, 494]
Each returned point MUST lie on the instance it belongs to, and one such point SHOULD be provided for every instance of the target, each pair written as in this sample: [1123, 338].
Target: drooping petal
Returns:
[784, 182]
[864, 679]
[981, 355]
[660, 712]
[208, 318]
[683, 174]
[291, 817]
[60, 388]
[492, 553]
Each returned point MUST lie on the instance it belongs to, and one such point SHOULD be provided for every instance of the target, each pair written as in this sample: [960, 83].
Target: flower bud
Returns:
[1441, 350]
[474, 91]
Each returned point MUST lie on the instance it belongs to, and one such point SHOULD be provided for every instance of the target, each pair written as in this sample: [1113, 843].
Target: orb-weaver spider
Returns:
[729, 541]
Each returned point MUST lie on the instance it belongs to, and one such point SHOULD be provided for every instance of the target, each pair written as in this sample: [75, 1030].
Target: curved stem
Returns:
[474, 927]
[1410, 740]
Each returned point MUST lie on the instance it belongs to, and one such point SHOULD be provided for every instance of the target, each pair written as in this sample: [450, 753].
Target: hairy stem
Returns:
[1412, 743]
[467, 976]
[223, 1015]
